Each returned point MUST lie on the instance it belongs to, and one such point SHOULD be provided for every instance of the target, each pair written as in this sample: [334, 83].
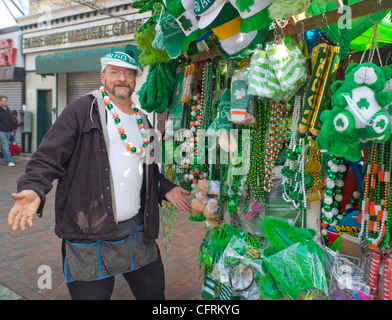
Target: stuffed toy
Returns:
[388, 77]
[211, 212]
[198, 204]
[356, 114]
[204, 204]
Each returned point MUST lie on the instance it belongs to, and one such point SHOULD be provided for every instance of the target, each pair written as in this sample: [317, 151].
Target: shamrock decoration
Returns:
[240, 94]
[185, 23]
[243, 5]
[363, 103]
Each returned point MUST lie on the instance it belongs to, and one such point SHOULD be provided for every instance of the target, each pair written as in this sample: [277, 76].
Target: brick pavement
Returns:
[21, 253]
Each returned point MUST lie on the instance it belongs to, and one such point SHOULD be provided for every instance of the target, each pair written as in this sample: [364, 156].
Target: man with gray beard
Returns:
[107, 195]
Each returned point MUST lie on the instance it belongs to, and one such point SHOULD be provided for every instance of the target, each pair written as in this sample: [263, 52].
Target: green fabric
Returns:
[384, 30]
[202, 6]
[149, 54]
[263, 81]
[172, 34]
[280, 234]
[277, 72]
[289, 66]
[358, 25]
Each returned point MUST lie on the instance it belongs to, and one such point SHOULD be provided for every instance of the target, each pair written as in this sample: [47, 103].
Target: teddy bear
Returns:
[211, 212]
[357, 112]
[198, 203]
[205, 201]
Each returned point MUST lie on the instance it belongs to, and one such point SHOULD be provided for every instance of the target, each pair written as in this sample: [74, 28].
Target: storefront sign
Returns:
[78, 35]
[7, 53]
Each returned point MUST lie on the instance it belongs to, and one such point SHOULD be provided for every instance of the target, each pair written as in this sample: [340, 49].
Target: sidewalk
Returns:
[22, 253]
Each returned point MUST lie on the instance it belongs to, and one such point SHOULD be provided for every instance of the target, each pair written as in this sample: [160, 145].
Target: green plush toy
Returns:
[357, 112]
[388, 77]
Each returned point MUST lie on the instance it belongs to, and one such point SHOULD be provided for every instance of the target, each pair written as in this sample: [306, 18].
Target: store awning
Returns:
[75, 61]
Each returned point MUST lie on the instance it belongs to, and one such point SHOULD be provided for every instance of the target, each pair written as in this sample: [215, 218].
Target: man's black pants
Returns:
[146, 283]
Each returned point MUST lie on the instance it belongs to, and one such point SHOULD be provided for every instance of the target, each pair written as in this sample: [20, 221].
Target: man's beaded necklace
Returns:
[120, 128]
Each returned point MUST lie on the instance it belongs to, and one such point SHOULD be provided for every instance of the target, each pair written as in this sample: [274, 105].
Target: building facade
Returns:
[62, 48]
[12, 71]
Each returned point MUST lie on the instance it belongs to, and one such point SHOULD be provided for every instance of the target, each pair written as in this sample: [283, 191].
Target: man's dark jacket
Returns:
[5, 120]
[74, 152]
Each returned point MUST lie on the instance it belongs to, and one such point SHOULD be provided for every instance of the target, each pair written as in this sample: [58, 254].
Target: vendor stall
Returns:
[278, 121]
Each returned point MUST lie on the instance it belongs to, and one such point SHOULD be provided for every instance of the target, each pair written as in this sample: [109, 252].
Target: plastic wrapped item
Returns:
[387, 278]
[240, 268]
[274, 207]
[300, 267]
[374, 273]
[348, 282]
[277, 72]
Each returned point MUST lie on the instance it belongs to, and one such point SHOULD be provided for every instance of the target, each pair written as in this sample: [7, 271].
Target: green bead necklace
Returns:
[258, 132]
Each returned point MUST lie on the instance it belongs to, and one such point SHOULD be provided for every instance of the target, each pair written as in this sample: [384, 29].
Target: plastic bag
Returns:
[348, 282]
[301, 267]
[240, 268]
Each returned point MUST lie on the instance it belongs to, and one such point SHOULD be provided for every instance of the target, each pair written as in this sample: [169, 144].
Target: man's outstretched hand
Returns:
[24, 209]
[176, 197]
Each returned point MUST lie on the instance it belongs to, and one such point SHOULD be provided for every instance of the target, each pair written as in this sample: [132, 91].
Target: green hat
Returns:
[234, 43]
[221, 126]
[183, 12]
[172, 34]
[207, 10]
[254, 14]
[120, 59]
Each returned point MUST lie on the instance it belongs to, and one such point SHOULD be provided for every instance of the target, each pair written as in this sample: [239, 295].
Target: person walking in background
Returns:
[107, 193]
[15, 125]
[6, 130]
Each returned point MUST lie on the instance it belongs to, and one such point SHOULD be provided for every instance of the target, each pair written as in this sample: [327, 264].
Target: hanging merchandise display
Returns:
[287, 154]
[324, 62]
[356, 114]
[277, 72]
